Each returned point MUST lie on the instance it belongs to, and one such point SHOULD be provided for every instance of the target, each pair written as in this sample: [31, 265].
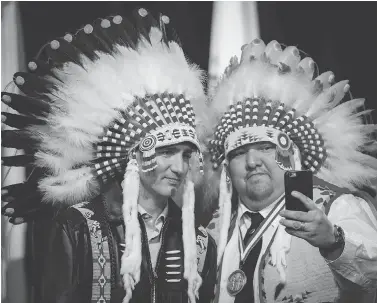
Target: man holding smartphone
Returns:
[270, 118]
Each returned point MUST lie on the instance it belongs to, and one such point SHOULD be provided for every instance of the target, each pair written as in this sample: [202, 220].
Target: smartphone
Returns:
[301, 181]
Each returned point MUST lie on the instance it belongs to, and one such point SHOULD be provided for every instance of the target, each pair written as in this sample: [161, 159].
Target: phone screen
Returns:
[301, 181]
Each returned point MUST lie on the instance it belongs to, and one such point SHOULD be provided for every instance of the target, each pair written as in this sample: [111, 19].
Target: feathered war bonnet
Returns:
[271, 96]
[111, 89]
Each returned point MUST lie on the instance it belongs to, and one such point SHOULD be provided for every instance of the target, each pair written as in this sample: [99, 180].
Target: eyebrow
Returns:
[163, 148]
[264, 144]
[176, 149]
[237, 151]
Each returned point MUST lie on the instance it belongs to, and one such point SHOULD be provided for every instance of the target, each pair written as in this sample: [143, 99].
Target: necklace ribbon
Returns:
[244, 252]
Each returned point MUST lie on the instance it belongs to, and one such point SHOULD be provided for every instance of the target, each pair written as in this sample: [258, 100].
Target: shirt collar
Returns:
[145, 214]
[242, 209]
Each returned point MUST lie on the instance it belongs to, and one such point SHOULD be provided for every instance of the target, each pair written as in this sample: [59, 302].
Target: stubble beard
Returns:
[259, 191]
[173, 192]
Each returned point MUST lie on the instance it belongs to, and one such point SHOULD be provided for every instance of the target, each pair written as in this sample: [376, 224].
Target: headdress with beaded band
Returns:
[270, 95]
[114, 86]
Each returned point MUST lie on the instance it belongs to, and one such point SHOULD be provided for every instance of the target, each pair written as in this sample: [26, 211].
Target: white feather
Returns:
[89, 98]
[191, 274]
[71, 186]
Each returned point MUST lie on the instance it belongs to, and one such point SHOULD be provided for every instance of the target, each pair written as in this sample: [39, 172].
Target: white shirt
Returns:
[153, 231]
[358, 261]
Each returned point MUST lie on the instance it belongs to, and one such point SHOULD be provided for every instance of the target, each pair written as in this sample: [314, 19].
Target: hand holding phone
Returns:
[301, 181]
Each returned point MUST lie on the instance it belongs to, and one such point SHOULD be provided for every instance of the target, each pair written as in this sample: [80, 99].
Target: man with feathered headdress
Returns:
[272, 117]
[113, 106]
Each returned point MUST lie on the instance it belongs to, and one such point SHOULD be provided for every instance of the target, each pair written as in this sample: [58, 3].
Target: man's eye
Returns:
[187, 156]
[165, 152]
[237, 153]
[268, 147]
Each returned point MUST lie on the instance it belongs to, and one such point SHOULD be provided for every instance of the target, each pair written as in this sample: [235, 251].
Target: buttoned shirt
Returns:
[153, 231]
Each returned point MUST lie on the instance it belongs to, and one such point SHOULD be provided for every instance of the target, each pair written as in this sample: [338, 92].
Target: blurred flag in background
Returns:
[233, 25]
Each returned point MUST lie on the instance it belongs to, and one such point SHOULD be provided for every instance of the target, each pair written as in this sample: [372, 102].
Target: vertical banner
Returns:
[234, 23]
[14, 284]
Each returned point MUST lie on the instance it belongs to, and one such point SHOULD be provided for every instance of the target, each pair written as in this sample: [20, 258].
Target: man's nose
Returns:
[253, 159]
[178, 164]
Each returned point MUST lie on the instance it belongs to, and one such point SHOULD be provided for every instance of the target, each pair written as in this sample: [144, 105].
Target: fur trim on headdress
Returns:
[132, 255]
[189, 242]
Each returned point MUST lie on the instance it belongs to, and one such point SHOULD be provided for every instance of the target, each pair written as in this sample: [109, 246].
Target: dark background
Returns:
[339, 36]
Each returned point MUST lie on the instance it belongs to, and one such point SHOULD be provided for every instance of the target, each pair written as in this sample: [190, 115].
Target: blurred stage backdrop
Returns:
[339, 36]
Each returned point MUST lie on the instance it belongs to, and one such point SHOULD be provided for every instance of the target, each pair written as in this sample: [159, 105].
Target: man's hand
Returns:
[28, 209]
[312, 226]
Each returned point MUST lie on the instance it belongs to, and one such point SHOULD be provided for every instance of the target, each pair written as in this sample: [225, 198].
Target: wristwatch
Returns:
[339, 240]
[339, 236]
